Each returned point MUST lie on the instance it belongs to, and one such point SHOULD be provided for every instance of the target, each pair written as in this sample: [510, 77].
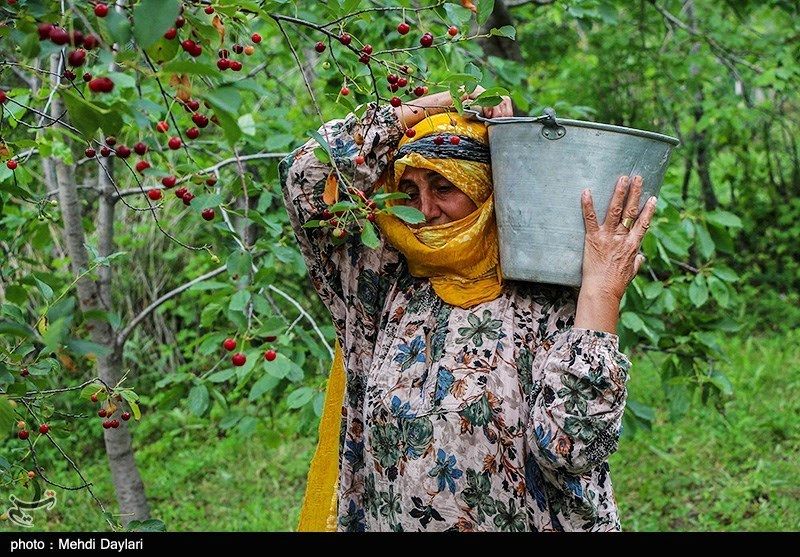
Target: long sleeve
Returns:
[350, 278]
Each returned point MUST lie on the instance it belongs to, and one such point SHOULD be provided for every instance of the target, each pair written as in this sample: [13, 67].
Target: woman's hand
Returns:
[498, 111]
[610, 254]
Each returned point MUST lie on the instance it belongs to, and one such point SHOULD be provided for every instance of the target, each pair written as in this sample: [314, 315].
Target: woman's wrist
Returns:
[410, 114]
[597, 310]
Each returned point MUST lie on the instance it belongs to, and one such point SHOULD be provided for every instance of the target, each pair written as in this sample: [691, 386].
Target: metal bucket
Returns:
[540, 165]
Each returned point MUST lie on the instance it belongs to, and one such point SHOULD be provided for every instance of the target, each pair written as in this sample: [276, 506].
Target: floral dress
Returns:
[496, 418]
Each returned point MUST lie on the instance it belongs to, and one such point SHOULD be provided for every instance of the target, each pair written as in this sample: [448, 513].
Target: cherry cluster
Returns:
[239, 358]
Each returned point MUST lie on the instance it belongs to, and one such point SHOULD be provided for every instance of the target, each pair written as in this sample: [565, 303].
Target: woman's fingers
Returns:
[631, 210]
[641, 225]
[614, 213]
[589, 214]
[637, 263]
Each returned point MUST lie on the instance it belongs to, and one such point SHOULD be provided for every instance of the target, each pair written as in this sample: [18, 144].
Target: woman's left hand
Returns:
[610, 256]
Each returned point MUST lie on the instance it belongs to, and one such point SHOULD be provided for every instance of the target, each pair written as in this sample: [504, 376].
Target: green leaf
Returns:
[653, 290]
[407, 214]
[84, 347]
[46, 291]
[300, 397]
[7, 416]
[247, 124]
[225, 98]
[698, 291]
[725, 273]
[322, 155]
[239, 263]
[485, 8]
[239, 300]
[389, 196]
[704, 242]
[93, 388]
[89, 117]
[265, 384]
[719, 290]
[152, 18]
[188, 67]
[222, 376]
[198, 399]
[137, 412]
[632, 321]
[458, 15]
[721, 382]
[368, 236]
[724, 218]
[507, 31]
[150, 525]
[119, 27]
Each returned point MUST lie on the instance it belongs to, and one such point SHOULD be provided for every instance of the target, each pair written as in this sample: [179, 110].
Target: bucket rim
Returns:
[674, 141]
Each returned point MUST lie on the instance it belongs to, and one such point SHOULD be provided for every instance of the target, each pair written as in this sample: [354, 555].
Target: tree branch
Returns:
[123, 335]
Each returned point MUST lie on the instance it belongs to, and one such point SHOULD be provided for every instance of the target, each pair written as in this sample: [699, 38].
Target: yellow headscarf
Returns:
[460, 258]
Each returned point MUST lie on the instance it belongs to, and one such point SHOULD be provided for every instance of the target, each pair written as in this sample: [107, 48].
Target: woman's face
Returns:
[438, 199]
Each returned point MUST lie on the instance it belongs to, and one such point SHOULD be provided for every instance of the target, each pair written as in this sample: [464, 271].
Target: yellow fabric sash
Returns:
[461, 260]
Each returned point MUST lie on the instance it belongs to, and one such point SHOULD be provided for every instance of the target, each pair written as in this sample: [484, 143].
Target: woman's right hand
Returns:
[504, 109]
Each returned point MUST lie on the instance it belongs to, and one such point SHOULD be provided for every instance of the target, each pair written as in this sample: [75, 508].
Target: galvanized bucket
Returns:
[540, 165]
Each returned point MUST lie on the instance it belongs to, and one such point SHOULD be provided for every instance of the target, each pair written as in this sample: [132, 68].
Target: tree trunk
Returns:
[500, 46]
[96, 296]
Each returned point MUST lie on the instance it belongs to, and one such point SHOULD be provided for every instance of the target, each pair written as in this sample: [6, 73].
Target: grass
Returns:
[704, 472]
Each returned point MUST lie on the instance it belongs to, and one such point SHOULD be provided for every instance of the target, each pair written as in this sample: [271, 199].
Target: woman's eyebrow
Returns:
[406, 183]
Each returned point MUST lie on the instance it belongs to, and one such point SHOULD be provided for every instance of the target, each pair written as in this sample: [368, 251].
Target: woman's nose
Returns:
[428, 206]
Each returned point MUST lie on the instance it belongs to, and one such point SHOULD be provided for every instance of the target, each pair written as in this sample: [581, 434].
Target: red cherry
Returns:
[371, 217]
[256, 38]
[192, 133]
[76, 57]
[196, 50]
[111, 140]
[200, 120]
[12, 164]
[209, 10]
[193, 105]
[180, 192]
[106, 424]
[391, 78]
[455, 140]
[76, 38]
[154, 194]
[366, 49]
[90, 42]
[101, 10]
[123, 151]
[419, 91]
[187, 44]
[174, 143]
[141, 166]
[211, 180]
[229, 344]
[180, 22]
[223, 64]
[236, 65]
[94, 397]
[223, 53]
[364, 58]
[344, 91]
[101, 85]
[237, 48]
[104, 151]
[69, 75]
[187, 198]
[452, 31]
[426, 40]
[59, 36]
[140, 148]
[411, 132]
[162, 126]
[23, 434]
[271, 338]
[238, 359]
[44, 31]
[170, 33]
[24, 372]
[395, 101]
[438, 140]
[403, 28]
[359, 159]
[320, 46]
[114, 424]
[345, 39]
[270, 355]
[208, 214]
[87, 77]
[90, 153]
[125, 416]
[44, 428]
[168, 181]
[102, 412]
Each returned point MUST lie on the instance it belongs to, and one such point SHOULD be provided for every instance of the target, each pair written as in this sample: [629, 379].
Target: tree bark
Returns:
[500, 46]
[96, 295]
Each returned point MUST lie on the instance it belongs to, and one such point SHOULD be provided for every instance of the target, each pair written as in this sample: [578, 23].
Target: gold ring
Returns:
[627, 222]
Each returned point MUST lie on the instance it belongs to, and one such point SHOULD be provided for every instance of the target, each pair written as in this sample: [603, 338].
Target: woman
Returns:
[470, 403]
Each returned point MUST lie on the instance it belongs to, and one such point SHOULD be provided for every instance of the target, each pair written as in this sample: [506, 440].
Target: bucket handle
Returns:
[551, 129]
